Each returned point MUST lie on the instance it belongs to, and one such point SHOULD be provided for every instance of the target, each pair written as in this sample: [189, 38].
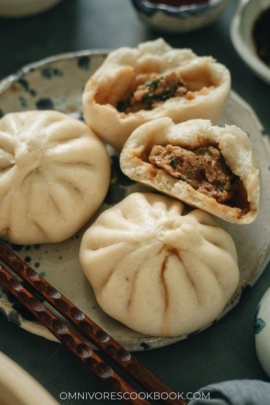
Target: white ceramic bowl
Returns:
[262, 332]
[23, 8]
[179, 19]
[17, 387]
[241, 35]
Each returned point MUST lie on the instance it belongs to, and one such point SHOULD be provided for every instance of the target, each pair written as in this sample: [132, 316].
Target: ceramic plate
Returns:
[57, 83]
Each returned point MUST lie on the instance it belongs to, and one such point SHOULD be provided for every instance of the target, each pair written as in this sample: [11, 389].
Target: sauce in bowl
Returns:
[261, 36]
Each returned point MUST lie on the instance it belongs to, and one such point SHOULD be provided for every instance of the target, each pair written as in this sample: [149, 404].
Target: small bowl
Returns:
[24, 8]
[262, 331]
[17, 387]
[179, 19]
[241, 35]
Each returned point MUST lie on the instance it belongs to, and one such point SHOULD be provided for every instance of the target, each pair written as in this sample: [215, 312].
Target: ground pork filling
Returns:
[203, 168]
[149, 93]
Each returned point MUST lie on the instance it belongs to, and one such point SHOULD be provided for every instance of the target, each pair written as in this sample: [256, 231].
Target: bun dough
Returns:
[234, 145]
[156, 269]
[208, 83]
[54, 175]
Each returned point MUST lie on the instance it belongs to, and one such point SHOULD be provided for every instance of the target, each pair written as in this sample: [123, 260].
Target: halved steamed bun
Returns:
[208, 167]
[54, 174]
[158, 269]
[134, 86]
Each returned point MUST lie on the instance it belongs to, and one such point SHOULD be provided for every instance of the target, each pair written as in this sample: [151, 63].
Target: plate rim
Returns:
[6, 81]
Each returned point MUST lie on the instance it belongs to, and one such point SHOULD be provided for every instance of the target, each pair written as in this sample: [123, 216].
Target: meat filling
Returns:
[203, 168]
[150, 93]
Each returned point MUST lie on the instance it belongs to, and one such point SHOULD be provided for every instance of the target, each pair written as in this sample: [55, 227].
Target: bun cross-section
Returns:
[205, 166]
[137, 85]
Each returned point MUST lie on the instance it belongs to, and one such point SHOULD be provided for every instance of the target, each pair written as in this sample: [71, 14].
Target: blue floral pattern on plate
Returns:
[259, 324]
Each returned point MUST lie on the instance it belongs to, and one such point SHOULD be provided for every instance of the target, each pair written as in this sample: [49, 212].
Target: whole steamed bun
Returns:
[54, 174]
[158, 269]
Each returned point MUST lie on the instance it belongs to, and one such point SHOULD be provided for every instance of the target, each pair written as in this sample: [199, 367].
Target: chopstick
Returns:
[68, 338]
[85, 325]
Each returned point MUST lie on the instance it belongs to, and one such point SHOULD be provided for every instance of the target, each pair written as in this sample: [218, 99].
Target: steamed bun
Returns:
[137, 85]
[158, 269]
[206, 166]
[54, 174]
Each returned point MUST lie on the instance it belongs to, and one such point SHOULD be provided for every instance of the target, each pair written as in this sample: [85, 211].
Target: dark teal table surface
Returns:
[226, 350]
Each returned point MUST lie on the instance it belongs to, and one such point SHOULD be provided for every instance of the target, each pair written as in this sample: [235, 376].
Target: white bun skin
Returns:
[112, 80]
[54, 174]
[235, 147]
[156, 270]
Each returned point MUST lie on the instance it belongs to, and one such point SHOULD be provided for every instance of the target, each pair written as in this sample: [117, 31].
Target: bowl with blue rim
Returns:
[179, 16]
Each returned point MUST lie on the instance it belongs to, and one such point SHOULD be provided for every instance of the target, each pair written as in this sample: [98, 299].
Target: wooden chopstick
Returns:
[90, 329]
[82, 351]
